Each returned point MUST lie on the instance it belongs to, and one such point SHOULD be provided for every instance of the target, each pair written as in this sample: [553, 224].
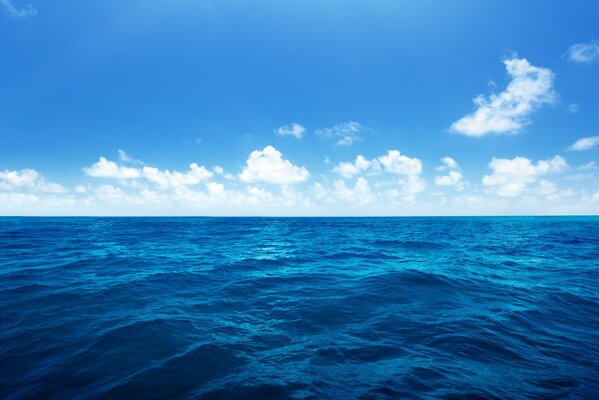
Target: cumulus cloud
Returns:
[393, 162]
[27, 180]
[348, 169]
[453, 177]
[447, 163]
[15, 12]
[509, 111]
[581, 53]
[268, 165]
[511, 177]
[412, 186]
[585, 143]
[164, 179]
[358, 194]
[295, 130]
[409, 169]
[345, 134]
[396, 163]
[104, 168]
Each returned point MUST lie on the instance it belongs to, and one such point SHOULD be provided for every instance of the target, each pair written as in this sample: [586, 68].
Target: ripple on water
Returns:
[259, 308]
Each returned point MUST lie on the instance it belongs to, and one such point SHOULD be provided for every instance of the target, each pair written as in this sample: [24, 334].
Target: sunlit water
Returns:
[260, 308]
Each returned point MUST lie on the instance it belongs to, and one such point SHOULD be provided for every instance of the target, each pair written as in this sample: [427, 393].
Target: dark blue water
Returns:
[260, 308]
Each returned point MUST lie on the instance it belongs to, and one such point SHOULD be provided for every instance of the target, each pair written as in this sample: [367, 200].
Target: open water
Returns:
[301, 308]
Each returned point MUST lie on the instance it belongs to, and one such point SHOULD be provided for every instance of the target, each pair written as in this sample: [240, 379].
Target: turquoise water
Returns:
[258, 308]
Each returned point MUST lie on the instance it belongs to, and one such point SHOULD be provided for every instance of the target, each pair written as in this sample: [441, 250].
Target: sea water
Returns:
[335, 308]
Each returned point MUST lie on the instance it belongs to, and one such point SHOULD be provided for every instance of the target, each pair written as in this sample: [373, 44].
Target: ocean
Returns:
[299, 308]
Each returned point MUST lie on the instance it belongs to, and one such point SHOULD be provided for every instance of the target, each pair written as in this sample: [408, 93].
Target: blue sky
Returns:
[197, 107]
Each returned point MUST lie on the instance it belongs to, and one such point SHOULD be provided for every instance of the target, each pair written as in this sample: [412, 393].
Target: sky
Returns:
[270, 107]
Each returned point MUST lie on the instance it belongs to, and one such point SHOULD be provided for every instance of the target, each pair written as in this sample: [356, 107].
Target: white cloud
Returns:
[124, 157]
[546, 187]
[166, 179]
[346, 141]
[511, 177]
[27, 180]
[412, 186]
[348, 170]
[28, 11]
[104, 168]
[267, 165]
[585, 143]
[346, 133]
[385, 185]
[453, 176]
[221, 171]
[583, 52]
[448, 163]
[359, 194]
[295, 130]
[396, 163]
[529, 88]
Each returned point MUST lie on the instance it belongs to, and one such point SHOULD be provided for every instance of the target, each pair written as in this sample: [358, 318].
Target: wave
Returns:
[299, 308]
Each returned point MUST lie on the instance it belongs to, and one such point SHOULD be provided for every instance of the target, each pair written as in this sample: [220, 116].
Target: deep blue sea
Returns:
[299, 308]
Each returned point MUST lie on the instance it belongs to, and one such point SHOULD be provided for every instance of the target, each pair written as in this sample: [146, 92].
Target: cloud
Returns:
[581, 53]
[413, 185]
[396, 163]
[80, 189]
[359, 194]
[393, 162]
[345, 134]
[104, 168]
[511, 177]
[348, 170]
[588, 166]
[447, 163]
[27, 180]
[164, 179]
[453, 176]
[267, 165]
[124, 157]
[295, 130]
[585, 143]
[28, 11]
[221, 171]
[573, 108]
[509, 111]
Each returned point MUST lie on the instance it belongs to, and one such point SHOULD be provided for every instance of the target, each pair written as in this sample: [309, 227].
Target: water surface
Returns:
[257, 308]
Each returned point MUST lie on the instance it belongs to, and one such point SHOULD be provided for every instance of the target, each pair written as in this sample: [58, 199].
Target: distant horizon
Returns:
[309, 216]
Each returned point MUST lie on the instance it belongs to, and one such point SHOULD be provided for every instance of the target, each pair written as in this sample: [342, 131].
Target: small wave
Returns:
[410, 244]
[180, 374]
